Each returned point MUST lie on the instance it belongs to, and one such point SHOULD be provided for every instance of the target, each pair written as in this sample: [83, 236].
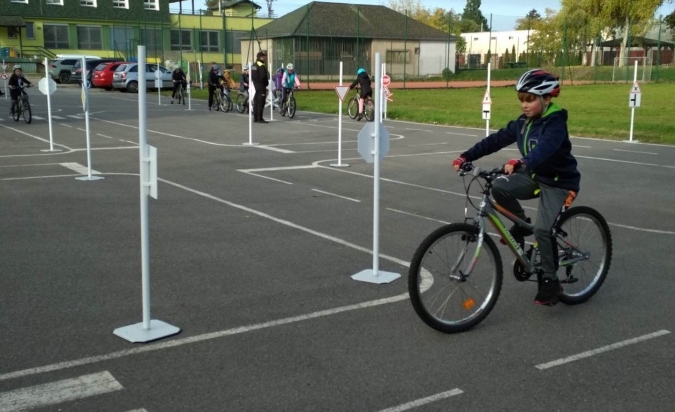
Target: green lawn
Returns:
[594, 110]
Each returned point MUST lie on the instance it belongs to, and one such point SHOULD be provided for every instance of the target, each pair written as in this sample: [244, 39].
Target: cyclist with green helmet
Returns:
[363, 80]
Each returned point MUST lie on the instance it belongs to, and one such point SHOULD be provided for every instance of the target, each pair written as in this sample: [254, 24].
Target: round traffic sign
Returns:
[5, 76]
[386, 80]
[47, 86]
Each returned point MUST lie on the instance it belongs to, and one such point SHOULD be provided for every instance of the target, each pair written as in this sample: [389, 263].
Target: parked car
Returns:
[103, 74]
[59, 69]
[76, 72]
[125, 77]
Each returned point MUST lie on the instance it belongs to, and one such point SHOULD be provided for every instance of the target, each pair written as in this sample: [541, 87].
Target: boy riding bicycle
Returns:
[546, 169]
[179, 79]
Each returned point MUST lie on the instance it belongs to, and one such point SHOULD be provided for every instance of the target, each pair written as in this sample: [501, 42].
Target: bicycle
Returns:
[219, 103]
[227, 101]
[368, 107]
[288, 105]
[23, 107]
[180, 95]
[242, 102]
[456, 273]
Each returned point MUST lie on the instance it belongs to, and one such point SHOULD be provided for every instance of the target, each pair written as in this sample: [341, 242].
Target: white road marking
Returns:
[108, 148]
[67, 125]
[663, 232]
[274, 169]
[333, 194]
[58, 392]
[461, 134]
[38, 117]
[417, 130]
[427, 144]
[625, 161]
[107, 137]
[138, 410]
[424, 401]
[607, 348]
[274, 149]
[634, 151]
[74, 117]
[78, 168]
[58, 117]
[416, 215]
[81, 129]
[34, 137]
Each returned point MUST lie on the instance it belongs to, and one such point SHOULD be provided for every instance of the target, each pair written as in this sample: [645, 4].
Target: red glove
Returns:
[457, 163]
[515, 163]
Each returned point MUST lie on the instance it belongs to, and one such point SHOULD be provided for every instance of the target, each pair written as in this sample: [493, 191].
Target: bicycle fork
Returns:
[468, 241]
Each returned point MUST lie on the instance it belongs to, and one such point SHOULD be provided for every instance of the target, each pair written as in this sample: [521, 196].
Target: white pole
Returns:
[143, 154]
[201, 69]
[339, 163]
[4, 70]
[632, 110]
[49, 108]
[159, 89]
[251, 93]
[487, 122]
[189, 93]
[385, 100]
[271, 94]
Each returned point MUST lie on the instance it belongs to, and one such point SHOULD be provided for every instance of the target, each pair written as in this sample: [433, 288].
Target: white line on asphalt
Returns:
[417, 130]
[74, 117]
[58, 392]
[585, 147]
[416, 215]
[613, 346]
[128, 141]
[81, 129]
[333, 194]
[138, 410]
[37, 177]
[461, 134]
[427, 144]
[66, 125]
[58, 117]
[634, 151]
[31, 165]
[625, 161]
[38, 117]
[424, 401]
[108, 137]
[107, 148]
[274, 149]
[274, 169]
[34, 137]
[663, 232]
[76, 167]
[270, 178]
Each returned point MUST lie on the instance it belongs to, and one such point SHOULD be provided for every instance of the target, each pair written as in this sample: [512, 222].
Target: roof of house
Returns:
[637, 41]
[319, 19]
[230, 4]
[12, 21]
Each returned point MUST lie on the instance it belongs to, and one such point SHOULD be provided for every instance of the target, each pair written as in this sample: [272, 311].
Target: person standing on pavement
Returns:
[260, 79]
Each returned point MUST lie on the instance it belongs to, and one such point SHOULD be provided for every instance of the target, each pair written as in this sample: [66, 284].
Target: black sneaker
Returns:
[548, 292]
[359, 117]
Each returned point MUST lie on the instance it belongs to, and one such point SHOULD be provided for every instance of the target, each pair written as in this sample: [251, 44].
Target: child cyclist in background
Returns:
[546, 169]
[226, 83]
[289, 80]
[363, 80]
[278, 76]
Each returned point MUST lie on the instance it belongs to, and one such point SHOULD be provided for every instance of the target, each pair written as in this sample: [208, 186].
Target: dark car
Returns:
[76, 72]
[103, 75]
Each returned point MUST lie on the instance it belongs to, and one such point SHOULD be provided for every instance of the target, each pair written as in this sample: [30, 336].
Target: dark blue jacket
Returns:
[544, 144]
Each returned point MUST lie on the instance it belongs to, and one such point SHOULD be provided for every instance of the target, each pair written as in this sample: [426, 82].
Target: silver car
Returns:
[125, 77]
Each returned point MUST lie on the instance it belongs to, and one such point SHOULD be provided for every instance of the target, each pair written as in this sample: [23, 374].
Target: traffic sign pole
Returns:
[158, 76]
[85, 107]
[374, 275]
[251, 95]
[634, 101]
[486, 115]
[5, 77]
[47, 86]
[340, 98]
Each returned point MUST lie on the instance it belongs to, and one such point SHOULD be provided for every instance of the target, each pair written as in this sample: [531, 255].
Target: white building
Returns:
[497, 42]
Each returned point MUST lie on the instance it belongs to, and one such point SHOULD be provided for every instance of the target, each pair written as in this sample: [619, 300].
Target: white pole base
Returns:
[90, 178]
[368, 275]
[136, 333]
[632, 141]
[249, 144]
[48, 150]
[339, 165]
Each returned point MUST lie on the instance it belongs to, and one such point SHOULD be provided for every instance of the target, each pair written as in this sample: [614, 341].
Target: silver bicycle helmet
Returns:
[539, 82]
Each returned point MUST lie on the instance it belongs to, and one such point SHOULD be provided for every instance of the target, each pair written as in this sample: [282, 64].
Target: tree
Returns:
[413, 8]
[472, 12]
[526, 22]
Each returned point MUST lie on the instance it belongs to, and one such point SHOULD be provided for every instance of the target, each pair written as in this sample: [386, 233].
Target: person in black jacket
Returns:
[363, 80]
[546, 169]
[16, 83]
[260, 79]
[214, 82]
[178, 78]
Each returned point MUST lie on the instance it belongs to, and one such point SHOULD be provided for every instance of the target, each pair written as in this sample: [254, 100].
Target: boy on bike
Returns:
[178, 78]
[289, 80]
[363, 80]
[546, 169]
[278, 76]
[213, 82]
[15, 83]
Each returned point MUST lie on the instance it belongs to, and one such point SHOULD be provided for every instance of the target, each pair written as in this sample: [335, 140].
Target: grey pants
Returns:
[508, 189]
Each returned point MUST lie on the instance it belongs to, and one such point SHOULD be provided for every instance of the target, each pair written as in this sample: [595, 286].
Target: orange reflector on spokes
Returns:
[469, 303]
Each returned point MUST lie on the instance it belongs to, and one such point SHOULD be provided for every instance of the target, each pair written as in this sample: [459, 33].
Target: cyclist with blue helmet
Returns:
[363, 80]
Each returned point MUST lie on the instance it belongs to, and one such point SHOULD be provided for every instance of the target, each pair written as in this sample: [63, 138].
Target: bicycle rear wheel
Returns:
[17, 111]
[225, 104]
[441, 296]
[369, 110]
[353, 108]
[27, 114]
[585, 253]
[291, 107]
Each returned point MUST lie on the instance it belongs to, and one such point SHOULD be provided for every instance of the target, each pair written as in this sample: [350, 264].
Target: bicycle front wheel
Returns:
[17, 111]
[27, 114]
[241, 103]
[353, 108]
[445, 299]
[369, 110]
[291, 108]
[585, 253]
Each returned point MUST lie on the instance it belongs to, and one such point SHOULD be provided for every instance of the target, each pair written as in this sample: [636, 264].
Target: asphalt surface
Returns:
[252, 252]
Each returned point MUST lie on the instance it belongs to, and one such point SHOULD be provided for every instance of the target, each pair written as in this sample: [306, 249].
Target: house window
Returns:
[210, 41]
[13, 32]
[180, 40]
[475, 38]
[121, 4]
[56, 36]
[151, 39]
[56, 2]
[30, 31]
[397, 56]
[88, 3]
[151, 4]
[89, 38]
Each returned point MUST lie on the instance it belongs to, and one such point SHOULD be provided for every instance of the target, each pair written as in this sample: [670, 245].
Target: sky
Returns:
[504, 12]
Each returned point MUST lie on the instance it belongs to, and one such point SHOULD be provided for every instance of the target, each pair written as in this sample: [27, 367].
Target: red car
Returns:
[103, 74]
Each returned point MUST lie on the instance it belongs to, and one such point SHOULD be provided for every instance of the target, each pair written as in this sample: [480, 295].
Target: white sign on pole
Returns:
[5, 76]
[487, 102]
[47, 86]
[342, 92]
[366, 141]
[635, 96]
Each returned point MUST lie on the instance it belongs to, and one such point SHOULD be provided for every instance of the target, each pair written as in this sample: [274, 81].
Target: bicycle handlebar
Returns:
[488, 175]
